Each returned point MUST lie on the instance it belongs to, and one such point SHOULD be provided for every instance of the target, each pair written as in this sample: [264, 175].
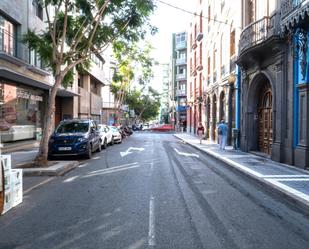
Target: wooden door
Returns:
[265, 135]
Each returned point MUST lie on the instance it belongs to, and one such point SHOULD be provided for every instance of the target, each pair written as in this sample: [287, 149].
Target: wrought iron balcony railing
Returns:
[288, 6]
[256, 33]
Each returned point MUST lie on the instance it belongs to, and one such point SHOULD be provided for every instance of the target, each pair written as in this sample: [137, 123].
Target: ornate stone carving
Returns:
[300, 50]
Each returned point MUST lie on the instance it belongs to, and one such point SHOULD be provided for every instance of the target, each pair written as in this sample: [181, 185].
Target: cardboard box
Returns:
[7, 202]
[17, 186]
[6, 162]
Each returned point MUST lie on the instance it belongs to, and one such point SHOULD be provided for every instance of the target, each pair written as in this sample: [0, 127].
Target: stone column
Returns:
[279, 112]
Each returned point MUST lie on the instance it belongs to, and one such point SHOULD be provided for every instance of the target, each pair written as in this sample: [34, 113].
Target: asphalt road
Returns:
[161, 193]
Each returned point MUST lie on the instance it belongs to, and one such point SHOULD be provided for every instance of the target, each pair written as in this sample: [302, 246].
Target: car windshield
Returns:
[73, 127]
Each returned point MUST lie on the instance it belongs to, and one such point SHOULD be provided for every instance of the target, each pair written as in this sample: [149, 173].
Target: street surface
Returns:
[152, 191]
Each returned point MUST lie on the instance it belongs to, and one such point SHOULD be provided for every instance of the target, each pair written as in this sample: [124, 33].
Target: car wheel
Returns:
[104, 144]
[89, 152]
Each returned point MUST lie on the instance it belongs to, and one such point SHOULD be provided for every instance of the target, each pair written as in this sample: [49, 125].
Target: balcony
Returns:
[181, 45]
[181, 93]
[95, 104]
[256, 33]
[84, 101]
[258, 41]
[181, 77]
[199, 36]
[292, 11]
[181, 61]
[199, 65]
[194, 45]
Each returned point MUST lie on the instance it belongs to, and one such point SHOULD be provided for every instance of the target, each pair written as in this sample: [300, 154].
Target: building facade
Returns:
[264, 64]
[214, 35]
[24, 81]
[293, 141]
[179, 62]
[165, 103]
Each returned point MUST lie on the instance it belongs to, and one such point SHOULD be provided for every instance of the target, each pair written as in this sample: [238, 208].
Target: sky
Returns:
[168, 20]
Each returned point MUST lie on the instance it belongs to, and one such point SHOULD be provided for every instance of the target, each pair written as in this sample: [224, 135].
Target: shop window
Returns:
[20, 112]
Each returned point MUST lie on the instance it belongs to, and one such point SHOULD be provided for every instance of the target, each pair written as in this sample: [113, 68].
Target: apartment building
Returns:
[179, 80]
[214, 35]
[164, 107]
[24, 81]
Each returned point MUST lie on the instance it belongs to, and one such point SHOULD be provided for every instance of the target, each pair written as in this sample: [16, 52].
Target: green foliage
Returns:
[85, 30]
[146, 106]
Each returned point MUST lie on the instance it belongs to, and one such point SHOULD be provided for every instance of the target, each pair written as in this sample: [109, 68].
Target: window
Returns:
[38, 8]
[7, 36]
[232, 43]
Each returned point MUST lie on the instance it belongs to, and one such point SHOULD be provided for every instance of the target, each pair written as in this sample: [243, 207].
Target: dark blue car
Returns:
[73, 138]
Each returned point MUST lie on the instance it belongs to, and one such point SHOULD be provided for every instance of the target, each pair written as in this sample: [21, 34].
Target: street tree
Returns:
[75, 29]
[145, 105]
[134, 65]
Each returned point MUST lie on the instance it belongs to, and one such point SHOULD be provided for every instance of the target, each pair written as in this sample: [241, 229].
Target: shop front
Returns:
[20, 112]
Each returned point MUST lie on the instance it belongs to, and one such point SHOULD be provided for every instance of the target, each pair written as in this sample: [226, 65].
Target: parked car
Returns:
[106, 135]
[116, 134]
[74, 137]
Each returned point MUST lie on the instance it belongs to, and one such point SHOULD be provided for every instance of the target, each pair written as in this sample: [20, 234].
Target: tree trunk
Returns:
[42, 156]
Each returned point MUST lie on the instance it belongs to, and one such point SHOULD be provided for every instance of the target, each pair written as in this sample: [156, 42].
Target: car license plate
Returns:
[64, 148]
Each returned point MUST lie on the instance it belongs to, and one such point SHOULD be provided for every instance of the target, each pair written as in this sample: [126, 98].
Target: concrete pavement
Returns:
[290, 182]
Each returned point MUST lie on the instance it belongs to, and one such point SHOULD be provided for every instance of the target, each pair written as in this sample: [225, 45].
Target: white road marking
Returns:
[185, 154]
[285, 176]
[151, 233]
[70, 179]
[38, 185]
[290, 179]
[130, 150]
[109, 171]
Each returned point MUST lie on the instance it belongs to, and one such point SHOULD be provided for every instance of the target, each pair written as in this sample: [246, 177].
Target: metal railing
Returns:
[256, 33]
[181, 61]
[288, 6]
[181, 45]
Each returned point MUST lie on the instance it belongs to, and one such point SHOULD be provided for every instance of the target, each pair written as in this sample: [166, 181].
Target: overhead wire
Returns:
[193, 13]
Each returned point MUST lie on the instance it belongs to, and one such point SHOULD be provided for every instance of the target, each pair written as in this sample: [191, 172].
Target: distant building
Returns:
[164, 107]
[179, 80]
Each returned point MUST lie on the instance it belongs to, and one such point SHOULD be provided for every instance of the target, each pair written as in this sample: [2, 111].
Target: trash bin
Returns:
[235, 136]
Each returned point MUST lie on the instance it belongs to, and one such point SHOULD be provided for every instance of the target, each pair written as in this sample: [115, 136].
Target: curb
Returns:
[56, 170]
[296, 201]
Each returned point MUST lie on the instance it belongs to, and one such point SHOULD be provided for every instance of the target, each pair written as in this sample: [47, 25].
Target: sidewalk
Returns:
[290, 182]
